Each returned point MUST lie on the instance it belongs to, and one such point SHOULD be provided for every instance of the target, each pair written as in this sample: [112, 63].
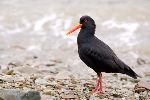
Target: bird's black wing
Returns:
[107, 60]
[102, 54]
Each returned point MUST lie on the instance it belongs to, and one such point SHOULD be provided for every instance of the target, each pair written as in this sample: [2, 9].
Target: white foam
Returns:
[38, 26]
[34, 47]
[61, 27]
[16, 30]
[57, 27]
[109, 23]
[128, 35]
[26, 23]
[128, 26]
[2, 29]
[67, 23]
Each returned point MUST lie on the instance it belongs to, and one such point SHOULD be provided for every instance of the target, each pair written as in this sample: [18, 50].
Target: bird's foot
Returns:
[98, 91]
[94, 90]
[98, 88]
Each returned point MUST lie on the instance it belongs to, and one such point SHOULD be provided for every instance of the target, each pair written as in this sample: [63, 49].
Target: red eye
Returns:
[85, 20]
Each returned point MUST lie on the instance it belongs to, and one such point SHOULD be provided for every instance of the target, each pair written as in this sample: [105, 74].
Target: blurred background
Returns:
[33, 32]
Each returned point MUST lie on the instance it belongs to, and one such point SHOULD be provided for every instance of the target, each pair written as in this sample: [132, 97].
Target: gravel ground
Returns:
[53, 84]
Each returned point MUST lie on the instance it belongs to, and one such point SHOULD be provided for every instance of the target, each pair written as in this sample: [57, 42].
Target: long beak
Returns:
[75, 28]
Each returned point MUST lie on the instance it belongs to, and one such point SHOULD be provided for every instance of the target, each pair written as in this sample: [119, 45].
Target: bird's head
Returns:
[86, 22]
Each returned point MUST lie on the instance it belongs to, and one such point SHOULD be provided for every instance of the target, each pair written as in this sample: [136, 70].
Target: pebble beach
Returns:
[39, 62]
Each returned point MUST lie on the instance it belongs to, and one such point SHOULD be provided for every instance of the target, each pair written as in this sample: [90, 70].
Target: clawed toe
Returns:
[98, 92]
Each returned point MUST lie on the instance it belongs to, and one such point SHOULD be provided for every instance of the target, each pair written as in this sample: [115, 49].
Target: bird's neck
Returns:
[85, 35]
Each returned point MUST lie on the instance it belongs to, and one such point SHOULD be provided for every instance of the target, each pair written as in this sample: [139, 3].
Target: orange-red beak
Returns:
[75, 28]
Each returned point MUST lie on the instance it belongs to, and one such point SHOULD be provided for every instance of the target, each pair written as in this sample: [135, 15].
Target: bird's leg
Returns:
[100, 80]
[98, 88]
[97, 85]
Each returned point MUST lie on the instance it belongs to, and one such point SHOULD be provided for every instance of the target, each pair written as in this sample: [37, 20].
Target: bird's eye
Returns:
[85, 20]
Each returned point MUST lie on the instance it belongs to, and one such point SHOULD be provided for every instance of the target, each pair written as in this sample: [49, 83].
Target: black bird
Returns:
[96, 54]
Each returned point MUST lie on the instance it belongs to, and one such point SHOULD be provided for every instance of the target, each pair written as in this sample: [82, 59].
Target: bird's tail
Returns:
[130, 72]
[126, 69]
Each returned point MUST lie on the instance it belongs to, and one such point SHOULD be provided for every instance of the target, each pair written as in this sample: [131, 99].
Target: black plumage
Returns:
[96, 54]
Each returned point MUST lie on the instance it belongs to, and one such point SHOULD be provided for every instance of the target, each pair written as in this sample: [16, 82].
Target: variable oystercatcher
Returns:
[96, 54]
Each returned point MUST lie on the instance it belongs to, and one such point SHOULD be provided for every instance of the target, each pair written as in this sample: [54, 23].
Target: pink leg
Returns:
[100, 82]
[97, 85]
[98, 88]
